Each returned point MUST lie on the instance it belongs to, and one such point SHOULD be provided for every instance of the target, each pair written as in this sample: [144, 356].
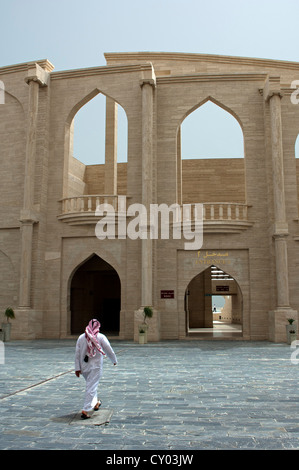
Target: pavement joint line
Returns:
[43, 381]
[35, 385]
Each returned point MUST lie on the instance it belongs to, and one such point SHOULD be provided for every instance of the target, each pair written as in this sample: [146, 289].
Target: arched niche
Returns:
[12, 155]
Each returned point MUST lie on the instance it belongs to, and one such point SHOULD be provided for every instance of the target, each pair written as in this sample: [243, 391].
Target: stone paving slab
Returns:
[188, 395]
[101, 417]
[96, 419]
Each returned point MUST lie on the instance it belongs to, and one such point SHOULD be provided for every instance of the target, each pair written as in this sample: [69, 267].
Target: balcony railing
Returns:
[225, 217]
[87, 203]
[217, 216]
[225, 211]
[81, 210]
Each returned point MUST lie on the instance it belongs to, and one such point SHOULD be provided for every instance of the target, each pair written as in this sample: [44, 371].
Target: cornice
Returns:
[45, 64]
[103, 70]
[191, 57]
[203, 77]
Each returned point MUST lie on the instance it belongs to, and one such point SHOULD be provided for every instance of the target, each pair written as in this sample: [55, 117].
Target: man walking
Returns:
[91, 347]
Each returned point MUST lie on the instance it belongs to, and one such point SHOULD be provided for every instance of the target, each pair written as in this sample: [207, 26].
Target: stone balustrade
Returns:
[81, 210]
[217, 216]
[87, 203]
[225, 211]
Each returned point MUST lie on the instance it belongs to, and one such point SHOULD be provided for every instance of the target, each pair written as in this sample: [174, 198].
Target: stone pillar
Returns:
[208, 307]
[179, 168]
[273, 95]
[147, 84]
[27, 215]
[111, 147]
[36, 77]
[147, 90]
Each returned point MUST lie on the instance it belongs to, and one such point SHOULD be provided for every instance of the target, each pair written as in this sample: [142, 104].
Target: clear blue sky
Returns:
[75, 34]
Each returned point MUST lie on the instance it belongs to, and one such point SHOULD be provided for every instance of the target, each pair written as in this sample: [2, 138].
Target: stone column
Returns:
[273, 95]
[179, 168]
[111, 147]
[208, 307]
[36, 77]
[147, 84]
[147, 183]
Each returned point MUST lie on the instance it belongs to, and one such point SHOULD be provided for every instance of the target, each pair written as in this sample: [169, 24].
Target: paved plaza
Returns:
[177, 395]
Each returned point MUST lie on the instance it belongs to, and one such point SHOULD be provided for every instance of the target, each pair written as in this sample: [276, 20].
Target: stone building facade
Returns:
[57, 273]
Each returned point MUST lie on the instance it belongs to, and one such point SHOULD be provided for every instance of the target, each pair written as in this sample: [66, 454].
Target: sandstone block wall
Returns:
[41, 250]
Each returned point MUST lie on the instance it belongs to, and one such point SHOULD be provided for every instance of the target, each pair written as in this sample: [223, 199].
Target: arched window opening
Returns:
[122, 136]
[211, 132]
[90, 132]
[297, 147]
[97, 149]
[211, 157]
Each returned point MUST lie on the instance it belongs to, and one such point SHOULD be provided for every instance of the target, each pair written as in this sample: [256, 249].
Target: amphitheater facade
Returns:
[57, 274]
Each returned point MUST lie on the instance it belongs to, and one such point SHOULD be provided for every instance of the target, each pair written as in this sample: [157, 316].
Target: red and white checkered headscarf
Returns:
[91, 332]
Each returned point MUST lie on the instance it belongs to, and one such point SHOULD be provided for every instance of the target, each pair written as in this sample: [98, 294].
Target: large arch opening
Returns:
[91, 124]
[211, 132]
[95, 292]
[214, 304]
[96, 147]
[211, 156]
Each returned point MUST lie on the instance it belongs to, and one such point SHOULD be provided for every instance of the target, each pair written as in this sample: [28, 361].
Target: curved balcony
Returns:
[81, 210]
[218, 217]
[225, 217]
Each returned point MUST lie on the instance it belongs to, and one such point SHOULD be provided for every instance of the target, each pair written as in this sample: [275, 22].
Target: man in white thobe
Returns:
[90, 349]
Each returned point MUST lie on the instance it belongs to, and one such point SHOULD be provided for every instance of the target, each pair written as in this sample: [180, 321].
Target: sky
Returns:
[75, 34]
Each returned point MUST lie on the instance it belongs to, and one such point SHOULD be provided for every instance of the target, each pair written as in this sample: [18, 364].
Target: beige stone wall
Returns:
[77, 180]
[41, 251]
[95, 179]
[213, 180]
[204, 180]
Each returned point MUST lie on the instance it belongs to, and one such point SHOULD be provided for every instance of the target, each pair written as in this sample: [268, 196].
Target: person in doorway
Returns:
[91, 347]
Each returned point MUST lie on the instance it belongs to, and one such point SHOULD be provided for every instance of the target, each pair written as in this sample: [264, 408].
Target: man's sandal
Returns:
[84, 416]
[97, 406]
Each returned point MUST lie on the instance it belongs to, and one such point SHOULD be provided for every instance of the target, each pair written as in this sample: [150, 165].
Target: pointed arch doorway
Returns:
[95, 292]
[214, 305]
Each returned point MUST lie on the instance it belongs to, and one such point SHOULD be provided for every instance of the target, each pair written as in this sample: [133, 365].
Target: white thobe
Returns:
[92, 370]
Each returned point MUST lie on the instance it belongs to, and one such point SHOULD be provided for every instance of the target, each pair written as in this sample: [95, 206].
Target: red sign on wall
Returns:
[167, 294]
